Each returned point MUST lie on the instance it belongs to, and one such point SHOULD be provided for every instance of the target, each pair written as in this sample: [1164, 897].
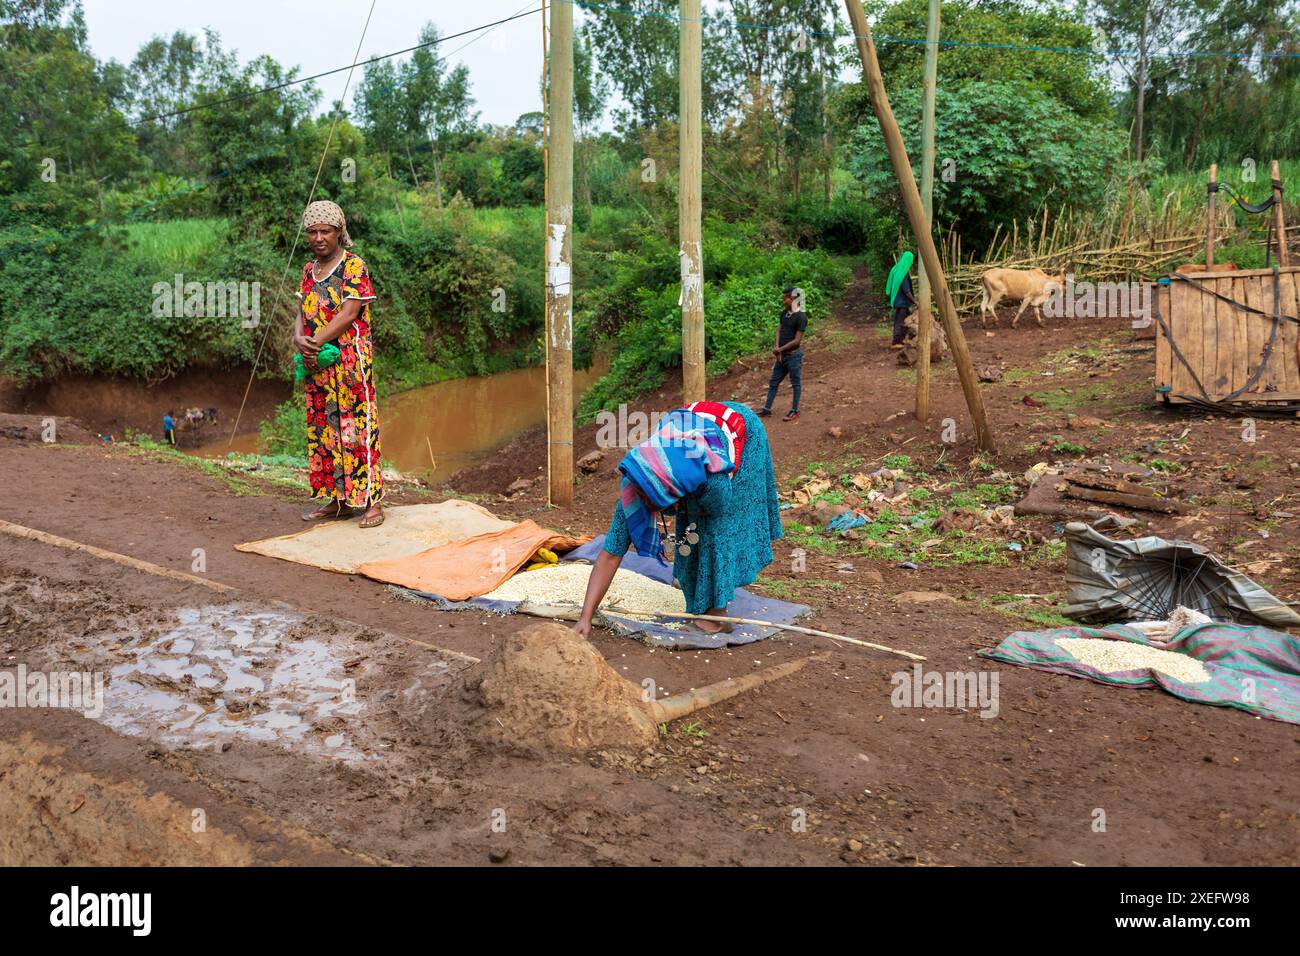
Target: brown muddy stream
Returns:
[454, 423]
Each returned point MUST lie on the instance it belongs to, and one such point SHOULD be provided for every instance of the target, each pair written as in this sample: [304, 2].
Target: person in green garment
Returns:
[898, 295]
[724, 529]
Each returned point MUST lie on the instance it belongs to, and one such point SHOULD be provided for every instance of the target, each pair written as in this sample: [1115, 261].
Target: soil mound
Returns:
[546, 688]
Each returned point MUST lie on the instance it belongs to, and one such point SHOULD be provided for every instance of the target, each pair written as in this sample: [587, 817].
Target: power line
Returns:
[316, 76]
[1076, 51]
[288, 264]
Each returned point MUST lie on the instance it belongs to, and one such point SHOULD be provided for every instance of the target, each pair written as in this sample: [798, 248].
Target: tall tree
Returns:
[163, 78]
[1148, 27]
[380, 109]
[436, 101]
[58, 116]
[590, 93]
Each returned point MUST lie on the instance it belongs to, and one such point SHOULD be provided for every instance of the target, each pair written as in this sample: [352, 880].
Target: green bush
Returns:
[285, 433]
[1004, 150]
[641, 318]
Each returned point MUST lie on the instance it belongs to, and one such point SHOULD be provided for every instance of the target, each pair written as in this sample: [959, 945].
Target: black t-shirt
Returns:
[904, 296]
[791, 322]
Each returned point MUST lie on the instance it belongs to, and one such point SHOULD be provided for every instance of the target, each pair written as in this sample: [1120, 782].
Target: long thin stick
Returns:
[31, 534]
[148, 567]
[783, 627]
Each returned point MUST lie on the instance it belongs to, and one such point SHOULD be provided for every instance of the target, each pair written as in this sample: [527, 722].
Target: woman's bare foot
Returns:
[373, 517]
[715, 627]
[329, 511]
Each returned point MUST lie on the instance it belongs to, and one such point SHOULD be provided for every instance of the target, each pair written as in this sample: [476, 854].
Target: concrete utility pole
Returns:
[559, 259]
[688, 205]
[920, 223]
[923, 317]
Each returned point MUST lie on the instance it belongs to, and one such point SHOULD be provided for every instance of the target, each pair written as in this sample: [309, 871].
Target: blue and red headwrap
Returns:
[675, 461]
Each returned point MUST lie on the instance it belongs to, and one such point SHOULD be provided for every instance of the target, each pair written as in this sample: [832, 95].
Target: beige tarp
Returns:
[408, 529]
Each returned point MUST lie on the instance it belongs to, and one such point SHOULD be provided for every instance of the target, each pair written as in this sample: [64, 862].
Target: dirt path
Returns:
[1179, 784]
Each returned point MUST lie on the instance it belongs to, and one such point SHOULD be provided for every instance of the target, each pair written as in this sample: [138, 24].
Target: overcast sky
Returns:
[317, 35]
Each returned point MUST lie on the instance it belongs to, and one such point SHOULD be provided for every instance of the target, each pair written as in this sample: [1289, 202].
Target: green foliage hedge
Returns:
[742, 305]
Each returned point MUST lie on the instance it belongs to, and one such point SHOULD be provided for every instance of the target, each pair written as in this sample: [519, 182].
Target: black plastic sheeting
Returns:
[1145, 579]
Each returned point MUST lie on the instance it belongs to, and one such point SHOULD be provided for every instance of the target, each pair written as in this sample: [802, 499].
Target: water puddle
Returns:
[219, 677]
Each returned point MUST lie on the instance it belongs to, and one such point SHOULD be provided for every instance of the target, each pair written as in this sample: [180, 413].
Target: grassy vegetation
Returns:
[797, 591]
[1060, 399]
[236, 474]
[176, 245]
[1020, 610]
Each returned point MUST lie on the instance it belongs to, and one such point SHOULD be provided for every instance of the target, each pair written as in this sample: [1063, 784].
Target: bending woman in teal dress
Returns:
[711, 470]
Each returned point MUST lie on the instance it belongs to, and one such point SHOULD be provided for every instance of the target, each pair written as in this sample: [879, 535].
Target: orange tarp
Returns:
[472, 566]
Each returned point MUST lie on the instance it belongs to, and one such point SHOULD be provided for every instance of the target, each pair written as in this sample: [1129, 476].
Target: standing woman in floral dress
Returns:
[342, 419]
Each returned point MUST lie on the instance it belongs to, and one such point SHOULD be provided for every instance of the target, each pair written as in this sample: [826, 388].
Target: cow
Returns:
[1188, 268]
[1031, 286]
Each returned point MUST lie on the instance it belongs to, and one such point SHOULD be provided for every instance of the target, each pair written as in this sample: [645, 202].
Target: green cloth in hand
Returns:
[327, 356]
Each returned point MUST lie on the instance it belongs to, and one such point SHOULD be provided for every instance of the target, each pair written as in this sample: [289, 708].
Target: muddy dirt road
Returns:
[816, 768]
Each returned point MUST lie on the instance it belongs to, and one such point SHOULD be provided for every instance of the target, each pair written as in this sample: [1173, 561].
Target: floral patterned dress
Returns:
[342, 418]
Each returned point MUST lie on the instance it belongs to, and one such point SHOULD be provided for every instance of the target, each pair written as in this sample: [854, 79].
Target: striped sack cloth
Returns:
[731, 422]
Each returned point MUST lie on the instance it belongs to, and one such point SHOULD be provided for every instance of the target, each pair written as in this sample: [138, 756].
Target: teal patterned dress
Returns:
[737, 518]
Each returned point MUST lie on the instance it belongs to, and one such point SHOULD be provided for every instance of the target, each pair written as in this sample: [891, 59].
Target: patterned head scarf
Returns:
[326, 213]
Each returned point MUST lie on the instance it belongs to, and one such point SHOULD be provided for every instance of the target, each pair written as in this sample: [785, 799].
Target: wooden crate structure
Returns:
[1223, 346]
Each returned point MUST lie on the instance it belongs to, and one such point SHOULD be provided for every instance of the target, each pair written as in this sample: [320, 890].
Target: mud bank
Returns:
[112, 404]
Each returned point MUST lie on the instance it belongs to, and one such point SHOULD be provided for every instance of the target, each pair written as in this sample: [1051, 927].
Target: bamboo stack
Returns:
[1125, 244]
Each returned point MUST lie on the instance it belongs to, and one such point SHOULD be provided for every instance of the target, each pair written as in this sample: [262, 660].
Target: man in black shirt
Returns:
[788, 352]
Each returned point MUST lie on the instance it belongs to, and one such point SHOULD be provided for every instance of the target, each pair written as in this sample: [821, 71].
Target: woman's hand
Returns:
[602, 573]
[307, 345]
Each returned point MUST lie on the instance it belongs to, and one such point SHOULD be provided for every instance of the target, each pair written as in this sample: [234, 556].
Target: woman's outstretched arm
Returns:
[602, 573]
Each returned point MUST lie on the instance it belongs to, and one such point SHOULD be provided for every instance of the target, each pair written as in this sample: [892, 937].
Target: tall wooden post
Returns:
[688, 205]
[559, 259]
[923, 317]
[1279, 220]
[920, 223]
[1209, 217]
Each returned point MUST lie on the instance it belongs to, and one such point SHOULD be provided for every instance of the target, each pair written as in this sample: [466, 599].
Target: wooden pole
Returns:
[1209, 218]
[682, 705]
[148, 567]
[923, 317]
[31, 534]
[559, 259]
[690, 150]
[920, 224]
[1279, 220]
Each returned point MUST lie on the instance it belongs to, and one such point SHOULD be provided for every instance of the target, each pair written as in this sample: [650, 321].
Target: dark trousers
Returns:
[789, 364]
[900, 330]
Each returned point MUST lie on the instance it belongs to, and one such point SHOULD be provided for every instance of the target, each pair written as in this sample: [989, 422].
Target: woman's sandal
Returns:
[373, 521]
[325, 513]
